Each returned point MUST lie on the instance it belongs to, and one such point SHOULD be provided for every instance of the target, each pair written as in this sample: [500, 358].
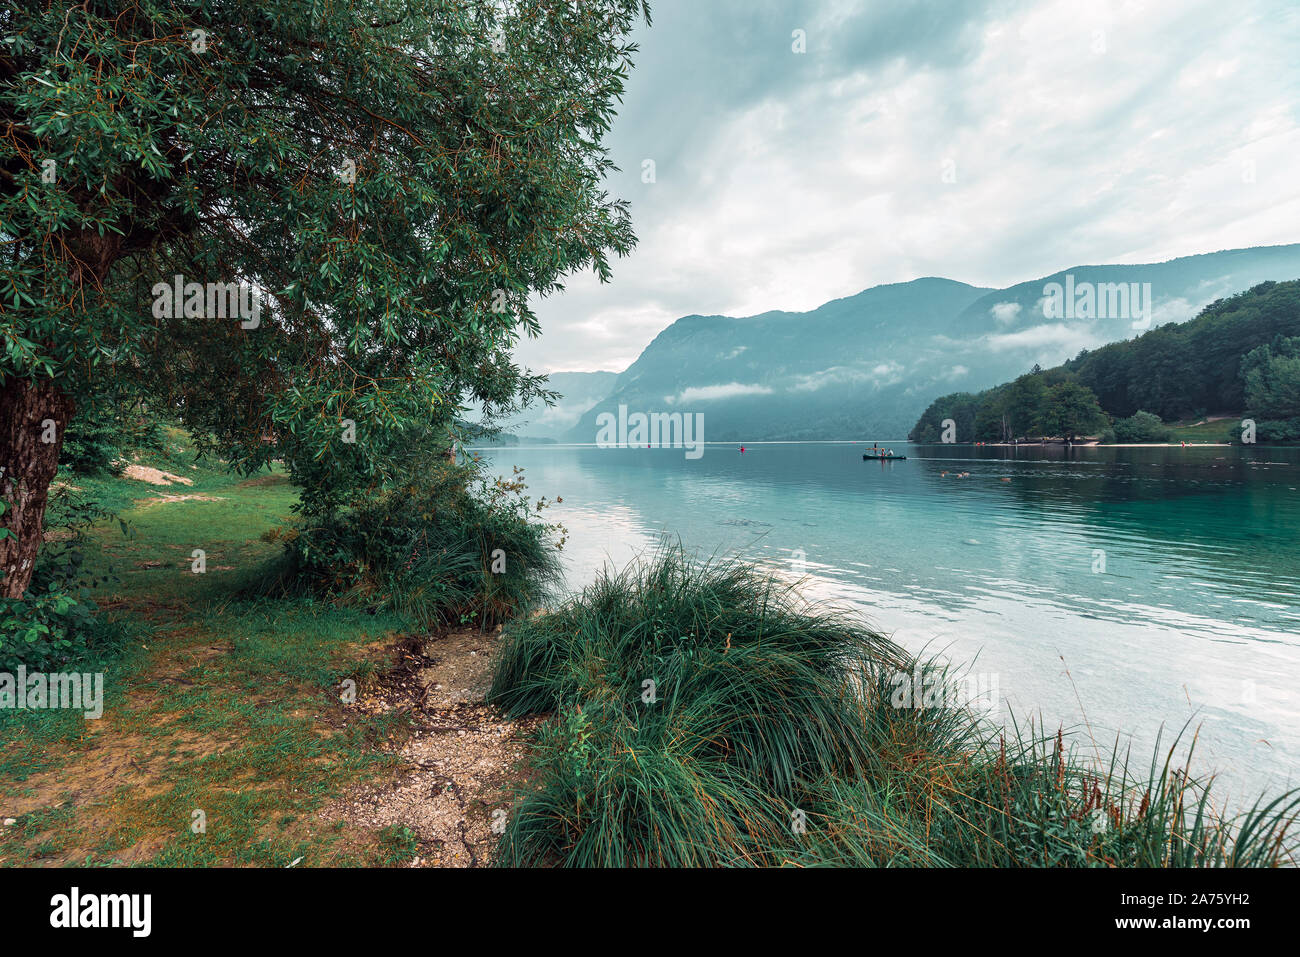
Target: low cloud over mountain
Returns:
[867, 365]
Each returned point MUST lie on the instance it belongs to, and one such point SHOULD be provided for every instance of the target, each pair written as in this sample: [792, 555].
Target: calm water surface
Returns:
[1195, 614]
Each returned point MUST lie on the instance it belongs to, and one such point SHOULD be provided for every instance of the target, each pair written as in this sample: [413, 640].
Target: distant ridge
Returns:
[869, 364]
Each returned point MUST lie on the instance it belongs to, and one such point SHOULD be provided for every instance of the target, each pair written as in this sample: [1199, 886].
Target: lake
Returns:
[1108, 589]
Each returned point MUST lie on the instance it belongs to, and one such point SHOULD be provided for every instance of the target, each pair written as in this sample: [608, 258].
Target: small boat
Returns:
[868, 457]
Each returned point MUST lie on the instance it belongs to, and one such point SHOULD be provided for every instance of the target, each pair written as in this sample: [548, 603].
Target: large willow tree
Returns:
[388, 181]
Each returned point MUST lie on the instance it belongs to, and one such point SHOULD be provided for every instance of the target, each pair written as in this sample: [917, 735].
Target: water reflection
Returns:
[1121, 587]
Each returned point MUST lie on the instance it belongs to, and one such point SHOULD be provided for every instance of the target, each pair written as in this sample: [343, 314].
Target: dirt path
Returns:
[231, 709]
[462, 758]
[457, 761]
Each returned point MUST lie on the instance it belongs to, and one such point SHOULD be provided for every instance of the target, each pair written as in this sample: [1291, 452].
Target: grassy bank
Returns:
[686, 715]
[1213, 431]
[212, 703]
[703, 715]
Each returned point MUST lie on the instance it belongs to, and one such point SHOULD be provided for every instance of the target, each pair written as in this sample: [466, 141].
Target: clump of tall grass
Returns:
[452, 548]
[703, 714]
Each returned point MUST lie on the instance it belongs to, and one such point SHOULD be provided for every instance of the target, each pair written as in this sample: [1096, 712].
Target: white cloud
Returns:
[786, 181]
[883, 373]
[835, 375]
[709, 393]
[1175, 310]
[1006, 312]
[1052, 339]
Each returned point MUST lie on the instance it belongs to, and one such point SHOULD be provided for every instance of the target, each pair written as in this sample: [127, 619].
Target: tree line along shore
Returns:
[1240, 353]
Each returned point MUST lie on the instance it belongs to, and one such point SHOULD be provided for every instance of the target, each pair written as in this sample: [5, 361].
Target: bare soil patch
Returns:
[461, 761]
[145, 473]
[262, 481]
[168, 499]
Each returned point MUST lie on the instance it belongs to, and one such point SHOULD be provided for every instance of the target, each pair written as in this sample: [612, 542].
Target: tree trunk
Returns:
[33, 417]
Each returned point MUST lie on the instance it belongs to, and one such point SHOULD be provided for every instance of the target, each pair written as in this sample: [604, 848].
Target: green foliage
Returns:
[106, 430]
[90, 444]
[1271, 430]
[766, 710]
[961, 407]
[1141, 427]
[1237, 353]
[1272, 379]
[1042, 403]
[455, 548]
[754, 698]
[55, 623]
[1176, 371]
[1069, 409]
[395, 180]
[44, 630]
[1022, 401]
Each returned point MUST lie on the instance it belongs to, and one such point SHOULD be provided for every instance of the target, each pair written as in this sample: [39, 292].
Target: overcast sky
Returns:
[990, 141]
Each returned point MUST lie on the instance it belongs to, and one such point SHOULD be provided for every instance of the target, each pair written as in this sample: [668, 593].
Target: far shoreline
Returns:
[1110, 445]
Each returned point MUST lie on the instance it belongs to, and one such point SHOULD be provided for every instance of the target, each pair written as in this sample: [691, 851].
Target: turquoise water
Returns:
[1111, 590]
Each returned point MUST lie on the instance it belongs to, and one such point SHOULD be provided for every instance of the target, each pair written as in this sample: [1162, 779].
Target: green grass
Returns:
[775, 739]
[1196, 431]
[222, 689]
[176, 456]
[212, 702]
[399, 845]
[766, 714]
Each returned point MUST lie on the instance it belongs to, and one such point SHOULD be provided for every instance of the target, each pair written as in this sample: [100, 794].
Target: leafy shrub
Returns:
[1142, 427]
[456, 548]
[104, 432]
[90, 446]
[55, 622]
[1283, 430]
[44, 630]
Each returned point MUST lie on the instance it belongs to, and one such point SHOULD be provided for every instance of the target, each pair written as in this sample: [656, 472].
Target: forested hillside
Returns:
[1241, 354]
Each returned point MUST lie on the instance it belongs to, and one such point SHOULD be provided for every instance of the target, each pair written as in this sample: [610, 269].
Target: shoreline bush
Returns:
[769, 736]
[1141, 427]
[449, 548]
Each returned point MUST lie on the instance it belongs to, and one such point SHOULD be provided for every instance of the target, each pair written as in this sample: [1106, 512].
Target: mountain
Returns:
[579, 392]
[793, 375]
[868, 365]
